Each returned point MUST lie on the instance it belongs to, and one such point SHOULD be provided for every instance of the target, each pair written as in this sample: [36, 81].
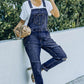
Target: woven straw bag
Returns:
[22, 31]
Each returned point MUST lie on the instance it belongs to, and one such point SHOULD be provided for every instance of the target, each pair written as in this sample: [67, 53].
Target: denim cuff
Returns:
[43, 67]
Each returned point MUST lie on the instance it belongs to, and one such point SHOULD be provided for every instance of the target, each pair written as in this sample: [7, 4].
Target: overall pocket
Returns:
[38, 19]
[31, 39]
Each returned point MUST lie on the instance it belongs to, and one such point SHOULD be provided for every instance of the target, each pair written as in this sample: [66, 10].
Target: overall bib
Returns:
[40, 38]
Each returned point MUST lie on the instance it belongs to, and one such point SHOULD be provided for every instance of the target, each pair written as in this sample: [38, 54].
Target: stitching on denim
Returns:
[45, 68]
[52, 52]
[37, 18]
[51, 63]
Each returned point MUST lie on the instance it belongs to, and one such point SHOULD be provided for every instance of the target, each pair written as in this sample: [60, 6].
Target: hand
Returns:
[15, 28]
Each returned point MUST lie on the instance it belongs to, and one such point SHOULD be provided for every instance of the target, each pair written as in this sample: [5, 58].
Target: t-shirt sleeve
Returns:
[23, 14]
[49, 7]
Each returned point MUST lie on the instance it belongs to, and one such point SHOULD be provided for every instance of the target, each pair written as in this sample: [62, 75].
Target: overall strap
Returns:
[44, 3]
[30, 4]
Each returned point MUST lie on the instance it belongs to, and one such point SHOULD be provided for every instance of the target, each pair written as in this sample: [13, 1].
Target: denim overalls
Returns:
[40, 38]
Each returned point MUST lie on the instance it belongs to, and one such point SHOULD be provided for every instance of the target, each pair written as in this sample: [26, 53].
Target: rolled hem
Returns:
[46, 69]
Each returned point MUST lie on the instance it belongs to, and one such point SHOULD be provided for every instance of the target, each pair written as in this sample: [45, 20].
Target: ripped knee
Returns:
[64, 59]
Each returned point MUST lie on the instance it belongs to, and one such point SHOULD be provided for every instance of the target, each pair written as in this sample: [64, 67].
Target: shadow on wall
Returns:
[79, 80]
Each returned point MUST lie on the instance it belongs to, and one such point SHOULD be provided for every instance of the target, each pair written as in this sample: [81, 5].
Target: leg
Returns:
[55, 51]
[33, 51]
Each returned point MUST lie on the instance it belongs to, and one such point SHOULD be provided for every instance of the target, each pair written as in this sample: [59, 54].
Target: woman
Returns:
[35, 15]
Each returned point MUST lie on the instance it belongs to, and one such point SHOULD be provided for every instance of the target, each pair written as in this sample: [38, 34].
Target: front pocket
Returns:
[26, 40]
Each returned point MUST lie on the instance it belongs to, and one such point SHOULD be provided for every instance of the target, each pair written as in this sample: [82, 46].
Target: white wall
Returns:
[14, 60]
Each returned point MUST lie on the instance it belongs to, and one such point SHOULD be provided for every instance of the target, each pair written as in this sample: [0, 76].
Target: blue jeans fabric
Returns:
[33, 45]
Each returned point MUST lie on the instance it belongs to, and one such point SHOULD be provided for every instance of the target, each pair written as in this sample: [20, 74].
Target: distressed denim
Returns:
[33, 45]
[40, 38]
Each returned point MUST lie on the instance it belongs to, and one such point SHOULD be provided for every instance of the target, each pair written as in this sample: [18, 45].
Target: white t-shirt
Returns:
[26, 10]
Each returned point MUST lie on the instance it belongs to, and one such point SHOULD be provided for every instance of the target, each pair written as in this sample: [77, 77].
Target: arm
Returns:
[54, 11]
[21, 22]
